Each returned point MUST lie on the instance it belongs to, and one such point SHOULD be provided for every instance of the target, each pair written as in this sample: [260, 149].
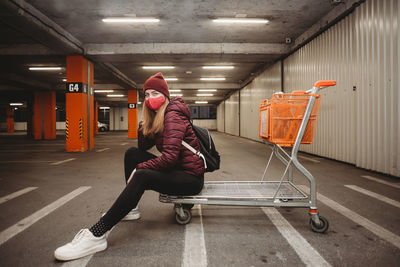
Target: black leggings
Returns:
[172, 182]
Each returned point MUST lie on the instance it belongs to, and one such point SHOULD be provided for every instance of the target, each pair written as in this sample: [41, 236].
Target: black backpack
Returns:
[207, 148]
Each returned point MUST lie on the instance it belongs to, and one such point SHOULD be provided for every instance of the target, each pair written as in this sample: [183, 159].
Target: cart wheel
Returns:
[185, 219]
[322, 227]
[188, 206]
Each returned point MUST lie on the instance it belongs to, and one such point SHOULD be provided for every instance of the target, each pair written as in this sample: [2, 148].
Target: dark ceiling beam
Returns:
[25, 18]
[20, 81]
[130, 84]
[185, 48]
[26, 50]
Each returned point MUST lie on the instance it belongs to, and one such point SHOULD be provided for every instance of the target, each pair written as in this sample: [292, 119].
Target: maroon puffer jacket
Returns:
[174, 155]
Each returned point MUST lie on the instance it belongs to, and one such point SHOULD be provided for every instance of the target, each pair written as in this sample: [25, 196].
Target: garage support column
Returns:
[44, 115]
[10, 120]
[96, 117]
[132, 114]
[79, 105]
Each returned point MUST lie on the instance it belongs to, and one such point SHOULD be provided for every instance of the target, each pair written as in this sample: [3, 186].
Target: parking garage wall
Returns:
[359, 119]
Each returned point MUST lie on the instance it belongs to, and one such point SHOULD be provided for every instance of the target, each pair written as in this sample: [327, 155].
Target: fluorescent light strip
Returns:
[236, 20]
[212, 79]
[207, 90]
[115, 95]
[64, 80]
[16, 104]
[205, 94]
[217, 67]
[130, 20]
[175, 90]
[104, 107]
[171, 79]
[176, 95]
[158, 67]
[45, 68]
[201, 102]
[103, 91]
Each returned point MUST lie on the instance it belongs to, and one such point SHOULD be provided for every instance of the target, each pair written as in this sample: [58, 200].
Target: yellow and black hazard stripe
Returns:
[80, 128]
[66, 128]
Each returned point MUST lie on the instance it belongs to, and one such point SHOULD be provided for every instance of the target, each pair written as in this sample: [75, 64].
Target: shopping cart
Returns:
[287, 120]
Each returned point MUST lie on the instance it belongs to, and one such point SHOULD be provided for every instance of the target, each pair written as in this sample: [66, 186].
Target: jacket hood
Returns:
[177, 104]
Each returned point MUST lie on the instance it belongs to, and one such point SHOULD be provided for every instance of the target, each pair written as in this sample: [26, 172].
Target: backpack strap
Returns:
[198, 153]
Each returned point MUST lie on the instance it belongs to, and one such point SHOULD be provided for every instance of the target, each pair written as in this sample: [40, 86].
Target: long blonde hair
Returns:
[153, 122]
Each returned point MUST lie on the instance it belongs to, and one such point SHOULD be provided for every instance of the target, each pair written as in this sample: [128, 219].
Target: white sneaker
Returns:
[132, 215]
[83, 244]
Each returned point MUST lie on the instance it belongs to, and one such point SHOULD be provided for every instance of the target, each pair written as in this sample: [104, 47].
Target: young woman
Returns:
[177, 171]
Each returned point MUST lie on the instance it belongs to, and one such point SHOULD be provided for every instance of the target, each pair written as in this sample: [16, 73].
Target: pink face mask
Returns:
[155, 103]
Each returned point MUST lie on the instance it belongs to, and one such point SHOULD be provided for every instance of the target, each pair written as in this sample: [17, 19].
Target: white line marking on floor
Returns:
[25, 161]
[62, 161]
[373, 227]
[194, 253]
[306, 252]
[374, 195]
[28, 221]
[16, 194]
[381, 181]
[124, 144]
[309, 159]
[103, 149]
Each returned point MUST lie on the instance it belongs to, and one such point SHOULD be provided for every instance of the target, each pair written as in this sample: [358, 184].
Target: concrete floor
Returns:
[364, 231]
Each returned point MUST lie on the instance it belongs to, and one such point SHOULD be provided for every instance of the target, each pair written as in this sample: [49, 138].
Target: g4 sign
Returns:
[76, 88]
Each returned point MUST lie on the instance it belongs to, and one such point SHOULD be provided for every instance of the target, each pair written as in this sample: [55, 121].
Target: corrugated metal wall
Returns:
[262, 87]
[359, 126]
[359, 119]
[221, 117]
[232, 114]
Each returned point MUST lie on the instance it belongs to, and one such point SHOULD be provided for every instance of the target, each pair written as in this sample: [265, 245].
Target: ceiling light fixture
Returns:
[104, 107]
[64, 80]
[212, 79]
[176, 94]
[218, 67]
[130, 20]
[207, 90]
[115, 95]
[171, 79]
[201, 102]
[240, 20]
[158, 67]
[175, 90]
[205, 94]
[103, 91]
[16, 104]
[45, 68]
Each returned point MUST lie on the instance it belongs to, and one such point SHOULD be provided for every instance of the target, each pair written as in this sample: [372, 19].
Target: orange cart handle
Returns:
[320, 84]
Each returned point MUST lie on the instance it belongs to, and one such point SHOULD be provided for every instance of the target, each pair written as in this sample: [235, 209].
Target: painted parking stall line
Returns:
[381, 181]
[194, 253]
[374, 195]
[103, 149]
[16, 194]
[355, 217]
[62, 161]
[30, 220]
[308, 158]
[306, 252]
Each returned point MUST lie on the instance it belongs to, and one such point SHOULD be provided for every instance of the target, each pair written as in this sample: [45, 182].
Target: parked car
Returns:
[103, 127]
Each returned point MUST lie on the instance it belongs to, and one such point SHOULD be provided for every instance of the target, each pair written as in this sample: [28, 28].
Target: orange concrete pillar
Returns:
[96, 117]
[132, 114]
[79, 104]
[44, 115]
[37, 117]
[10, 120]
[49, 115]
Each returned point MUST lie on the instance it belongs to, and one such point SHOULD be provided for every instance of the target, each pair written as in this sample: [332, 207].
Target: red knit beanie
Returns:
[157, 82]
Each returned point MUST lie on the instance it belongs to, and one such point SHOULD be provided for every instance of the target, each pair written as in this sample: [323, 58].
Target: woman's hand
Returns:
[130, 177]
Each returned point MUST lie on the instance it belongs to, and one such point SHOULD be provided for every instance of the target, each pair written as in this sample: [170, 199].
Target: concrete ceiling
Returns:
[43, 32]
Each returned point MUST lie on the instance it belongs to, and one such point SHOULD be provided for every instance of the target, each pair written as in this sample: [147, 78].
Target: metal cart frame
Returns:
[282, 193]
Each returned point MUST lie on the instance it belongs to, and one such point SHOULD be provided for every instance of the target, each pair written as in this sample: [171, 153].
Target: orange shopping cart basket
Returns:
[281, 117]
